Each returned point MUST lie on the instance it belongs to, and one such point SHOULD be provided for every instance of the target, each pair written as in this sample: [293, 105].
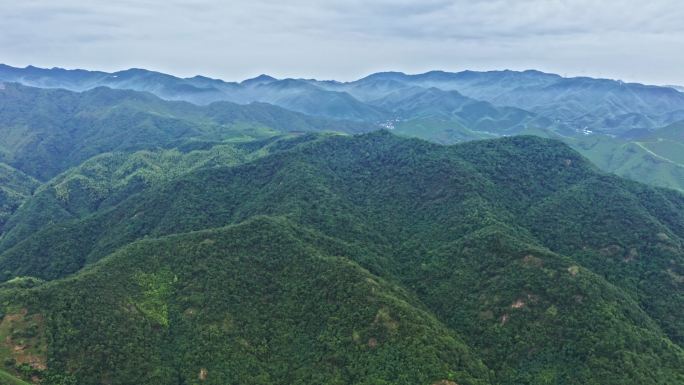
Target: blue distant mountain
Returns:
[582, 103]
[616, 124]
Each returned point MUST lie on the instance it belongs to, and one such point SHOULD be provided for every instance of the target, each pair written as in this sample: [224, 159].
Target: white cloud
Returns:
[626, 39]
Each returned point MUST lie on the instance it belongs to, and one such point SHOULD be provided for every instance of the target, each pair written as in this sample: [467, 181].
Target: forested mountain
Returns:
[656, 162]
[15, 187]
[293, 94]
[418, 104]
[107, 179]
[45, 131]
[161, 230]
[581, 103]
[334, 259]
[603, 119]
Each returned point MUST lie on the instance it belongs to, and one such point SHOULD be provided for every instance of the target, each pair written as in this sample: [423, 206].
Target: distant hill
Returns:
[660, 157]
[581, 103]
[658, 162]
[441, 106]
[45, 131]
[107, 179]
[673, 132]
[289, 93]
[367, 260]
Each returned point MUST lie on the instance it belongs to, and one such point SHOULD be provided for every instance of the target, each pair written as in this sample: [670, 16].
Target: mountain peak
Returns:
[390, 75]
[201, 77]
[261, 79]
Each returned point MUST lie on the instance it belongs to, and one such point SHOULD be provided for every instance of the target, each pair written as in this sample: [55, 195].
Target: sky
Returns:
[630, 40]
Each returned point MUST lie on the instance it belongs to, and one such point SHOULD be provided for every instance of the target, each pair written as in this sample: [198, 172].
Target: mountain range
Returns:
[609, 121]
[159, 230]
[581, 103]
[48, 130]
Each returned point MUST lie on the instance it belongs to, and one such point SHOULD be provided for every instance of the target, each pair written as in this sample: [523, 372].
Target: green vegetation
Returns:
[9, 379]
[149, 241]
[654, 162]
[367, 260]
[107, 179]
[46, 131]
[439, 131]
[618, 126]
[23, 346]
[601, 105]
[15, 187]
[256, 303]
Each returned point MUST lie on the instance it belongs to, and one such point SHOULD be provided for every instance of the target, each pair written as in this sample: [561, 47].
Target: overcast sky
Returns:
[634, 40]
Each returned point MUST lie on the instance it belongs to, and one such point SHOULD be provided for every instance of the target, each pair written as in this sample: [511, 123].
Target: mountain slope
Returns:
[293, 94]
[580, 103]
[15, 187]
[303, 97]
[445, 107]
[107, 179]
[294, 314]
[45, 131]
[436, 114]
[653, 161]
[548, 270]
[598, 104]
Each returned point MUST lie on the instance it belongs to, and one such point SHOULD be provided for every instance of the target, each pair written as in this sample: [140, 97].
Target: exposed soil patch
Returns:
[372, 343]
[23, 339]
[15, 316]
[518, 304]
[384, 318]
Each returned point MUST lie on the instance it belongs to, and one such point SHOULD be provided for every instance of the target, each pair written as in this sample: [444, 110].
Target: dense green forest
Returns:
[15, 187]
[436, 229]
[632, 130]
[46, 131]
[370, 259]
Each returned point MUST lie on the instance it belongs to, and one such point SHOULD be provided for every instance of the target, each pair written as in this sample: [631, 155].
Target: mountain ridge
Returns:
[502, 88]
[35, 122]
[504, 261]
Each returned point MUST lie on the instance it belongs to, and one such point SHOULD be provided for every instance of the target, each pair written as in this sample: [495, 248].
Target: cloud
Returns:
[628, 39]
